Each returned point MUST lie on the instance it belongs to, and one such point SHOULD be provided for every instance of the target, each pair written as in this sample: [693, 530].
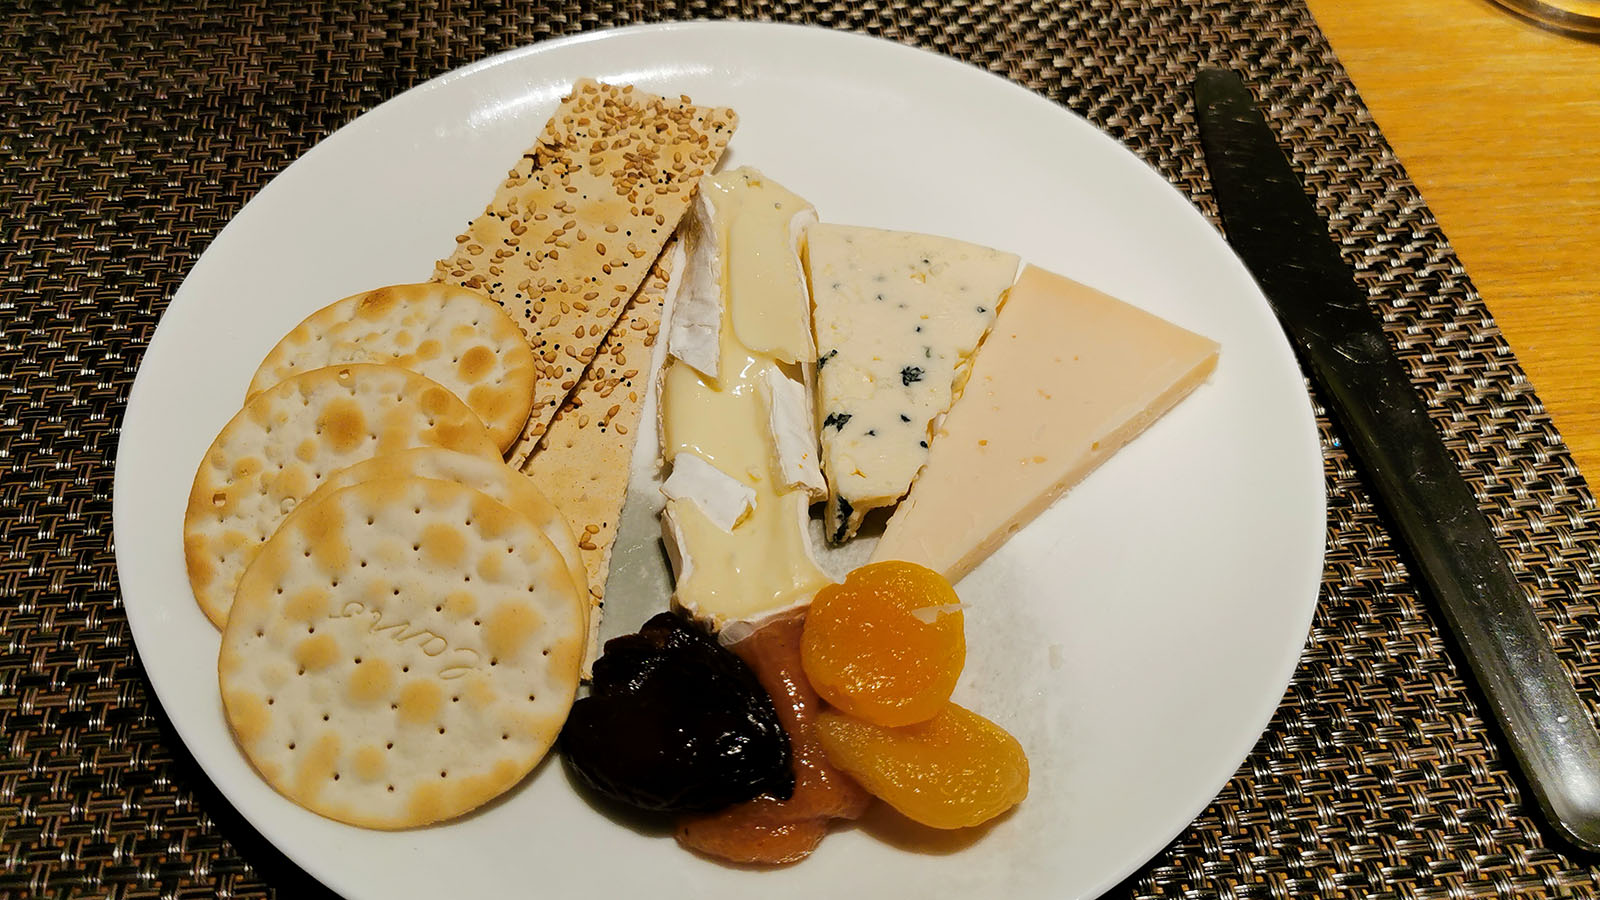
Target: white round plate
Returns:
[1136, 638]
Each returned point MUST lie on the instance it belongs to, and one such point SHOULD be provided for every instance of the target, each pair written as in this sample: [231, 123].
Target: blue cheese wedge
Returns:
[897, 318]
[735, 424]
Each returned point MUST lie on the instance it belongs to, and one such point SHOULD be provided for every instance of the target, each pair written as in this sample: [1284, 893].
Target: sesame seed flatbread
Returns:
[576, 225]
[584, 461]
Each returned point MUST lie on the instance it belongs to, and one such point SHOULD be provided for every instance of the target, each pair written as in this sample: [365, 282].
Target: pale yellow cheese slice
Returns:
[1067, 376]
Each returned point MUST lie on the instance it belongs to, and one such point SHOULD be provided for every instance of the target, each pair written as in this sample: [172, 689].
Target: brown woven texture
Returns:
[131, 134]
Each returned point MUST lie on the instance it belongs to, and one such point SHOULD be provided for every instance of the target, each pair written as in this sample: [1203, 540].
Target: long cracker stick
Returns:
[575, 226]
[584, 461]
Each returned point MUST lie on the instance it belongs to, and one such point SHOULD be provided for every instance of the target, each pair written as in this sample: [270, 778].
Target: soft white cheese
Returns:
[759, 265]
[737, 535]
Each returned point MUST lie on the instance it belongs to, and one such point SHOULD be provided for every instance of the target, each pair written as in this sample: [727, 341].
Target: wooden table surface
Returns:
[1497, 120]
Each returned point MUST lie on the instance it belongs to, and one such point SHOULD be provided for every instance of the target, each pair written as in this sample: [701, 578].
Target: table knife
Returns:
[1277, 232]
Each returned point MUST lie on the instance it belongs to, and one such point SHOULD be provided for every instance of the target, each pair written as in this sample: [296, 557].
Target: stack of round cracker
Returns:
[403, 615]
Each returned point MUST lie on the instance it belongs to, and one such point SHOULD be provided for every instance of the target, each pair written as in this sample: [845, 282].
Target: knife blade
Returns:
[1276, 230]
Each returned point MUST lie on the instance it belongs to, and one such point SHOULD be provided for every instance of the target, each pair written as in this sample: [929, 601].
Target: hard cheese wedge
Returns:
[898, 317]
[1066, 377]
[735, 527]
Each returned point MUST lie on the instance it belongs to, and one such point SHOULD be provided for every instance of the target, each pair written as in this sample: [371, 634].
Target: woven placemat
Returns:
[130, 136]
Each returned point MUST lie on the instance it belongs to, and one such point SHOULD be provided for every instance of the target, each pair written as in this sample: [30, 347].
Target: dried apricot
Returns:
[887, 645]
[754, 833]
[955, 770]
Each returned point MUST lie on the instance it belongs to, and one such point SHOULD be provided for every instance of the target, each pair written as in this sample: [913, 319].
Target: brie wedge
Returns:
[733, 401]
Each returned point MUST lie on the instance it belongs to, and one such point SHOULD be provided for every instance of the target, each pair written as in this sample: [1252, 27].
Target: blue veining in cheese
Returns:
[897, 317]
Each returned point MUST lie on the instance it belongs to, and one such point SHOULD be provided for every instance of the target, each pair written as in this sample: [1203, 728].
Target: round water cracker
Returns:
[276, 450]
[493, 477]
[401, 652]
[456, 336]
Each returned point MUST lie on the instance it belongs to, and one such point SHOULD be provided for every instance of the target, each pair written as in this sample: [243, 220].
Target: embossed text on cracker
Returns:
[401, 632]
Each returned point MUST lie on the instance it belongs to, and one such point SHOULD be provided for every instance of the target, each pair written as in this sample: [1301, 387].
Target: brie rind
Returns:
[794, 432]
[672, 539]
[725, 500]
[695, 331]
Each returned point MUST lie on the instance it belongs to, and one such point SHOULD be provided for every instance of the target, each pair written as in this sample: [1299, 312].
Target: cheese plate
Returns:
[1135, 638]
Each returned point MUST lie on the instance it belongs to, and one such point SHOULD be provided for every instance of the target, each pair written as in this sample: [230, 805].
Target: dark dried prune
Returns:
[676, 723]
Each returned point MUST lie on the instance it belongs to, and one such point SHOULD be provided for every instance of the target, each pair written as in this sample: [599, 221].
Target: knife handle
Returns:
[1529, 693]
